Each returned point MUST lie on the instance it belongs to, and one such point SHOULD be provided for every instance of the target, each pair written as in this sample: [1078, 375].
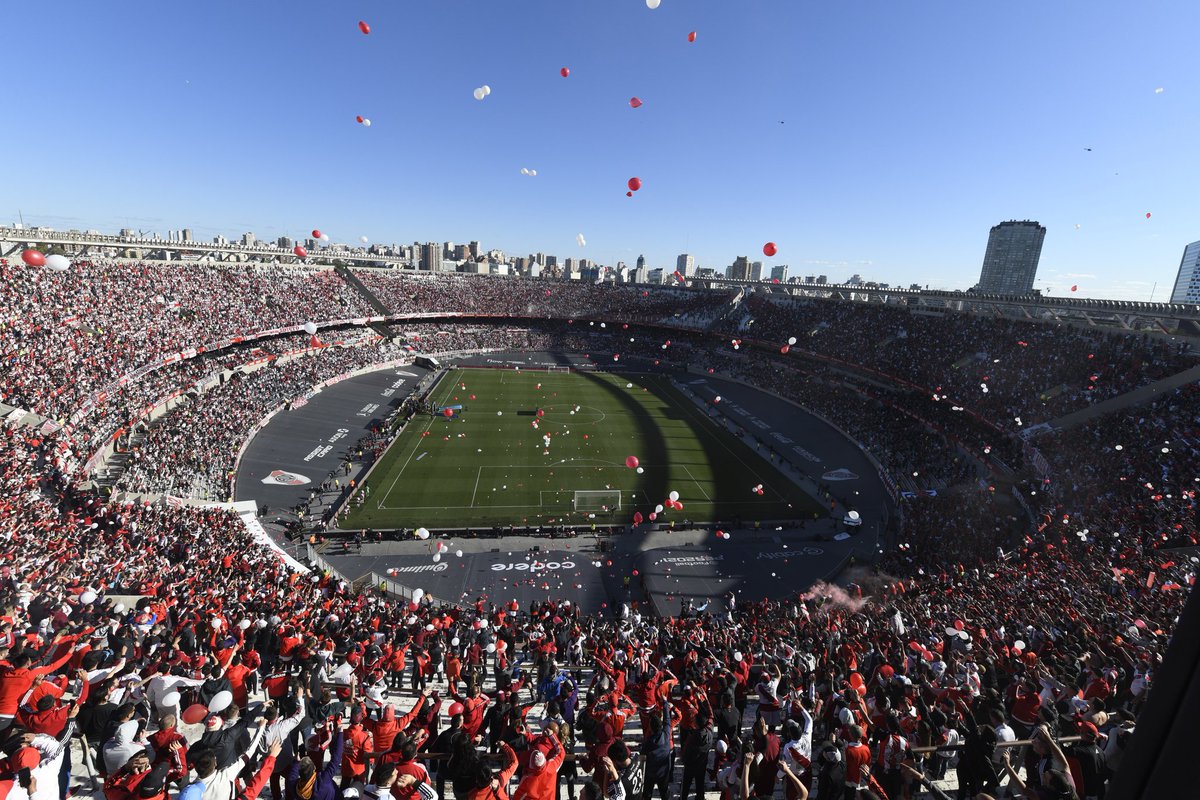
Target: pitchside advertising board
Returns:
[503, 576]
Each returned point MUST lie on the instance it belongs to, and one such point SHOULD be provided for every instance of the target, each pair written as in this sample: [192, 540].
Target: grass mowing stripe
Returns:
[618, 416]
[416, 447]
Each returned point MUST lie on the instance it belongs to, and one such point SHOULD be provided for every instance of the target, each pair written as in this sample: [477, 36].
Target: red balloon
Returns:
[653, 516]
[364, 27]
[769, 249]
[1075, 288]
[195, 713]
[34, 258]
[631, 462]
[449, 412]
[564, 72]
[635, 102]
[629, 194]
[455, 709]
[1147, 215]
[635, 184]
[300, 252]
[692, 36]
[541, 413]
[678, 506]
[316, 234]
[358, 119]
[785, 349]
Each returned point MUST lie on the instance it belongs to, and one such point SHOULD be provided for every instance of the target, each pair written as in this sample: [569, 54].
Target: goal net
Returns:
[557, 368]
[593, 500]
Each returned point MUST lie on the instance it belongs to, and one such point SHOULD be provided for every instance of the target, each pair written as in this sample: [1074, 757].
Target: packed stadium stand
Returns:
[1030, 599]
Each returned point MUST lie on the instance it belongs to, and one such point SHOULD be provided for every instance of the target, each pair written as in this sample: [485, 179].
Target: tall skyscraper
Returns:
[248, 239]
[1187, 284]
[756, 270]
[779, 273]
[686, 265]
[474, 249]
[740, 271]
[1011, 260]
[431, 257]
[641, 262]
[187, 234]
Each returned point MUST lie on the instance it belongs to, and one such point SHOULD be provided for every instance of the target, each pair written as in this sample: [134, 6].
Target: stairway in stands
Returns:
[380, 309]
[119, 461]
[1145, 394]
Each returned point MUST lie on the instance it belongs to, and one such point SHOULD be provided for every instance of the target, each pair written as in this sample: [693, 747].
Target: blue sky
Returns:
[908, 128]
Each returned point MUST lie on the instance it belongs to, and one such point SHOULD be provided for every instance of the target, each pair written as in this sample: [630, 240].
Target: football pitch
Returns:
[490, 466]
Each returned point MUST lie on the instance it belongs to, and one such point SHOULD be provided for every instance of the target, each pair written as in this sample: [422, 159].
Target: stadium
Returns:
[322, 518]
[831, 472]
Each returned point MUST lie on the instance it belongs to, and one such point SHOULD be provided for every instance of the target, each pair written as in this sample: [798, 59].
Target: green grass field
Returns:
[489, 466]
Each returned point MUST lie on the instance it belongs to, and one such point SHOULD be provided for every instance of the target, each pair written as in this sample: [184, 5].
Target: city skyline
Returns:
[1186, 284]
[762, 129]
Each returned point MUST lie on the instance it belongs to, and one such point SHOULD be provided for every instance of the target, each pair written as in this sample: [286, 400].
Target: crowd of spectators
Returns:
[66, 335]
[248, 666]
[234, 672]
[1125, 479]
[405, 293]
[1018, 373]
[191, 450]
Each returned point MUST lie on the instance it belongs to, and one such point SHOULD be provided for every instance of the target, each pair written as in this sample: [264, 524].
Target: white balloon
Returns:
[220, 701]
[524, 171]
[366, 123]
[791, 340]
[486, 90]
[737, 656]
[454, 642]
[170, 700]
[87, 598]
[533, 172]
[491, 648]
[579, 238]
[658, 509]
[479, 94]
[244, 624]
[363, 239]
[217, 623]
[640, 470]
[310, 328]
[429, 627]
[437, 557]
[499, 413]
[1019, 644]
[324, 237]
[458, 553]
[674, 496]
[422, 533]
[653, 4]
[58, 263]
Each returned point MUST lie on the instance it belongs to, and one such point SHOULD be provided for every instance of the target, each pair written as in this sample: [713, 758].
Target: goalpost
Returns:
[557, 368]
[593, 500]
